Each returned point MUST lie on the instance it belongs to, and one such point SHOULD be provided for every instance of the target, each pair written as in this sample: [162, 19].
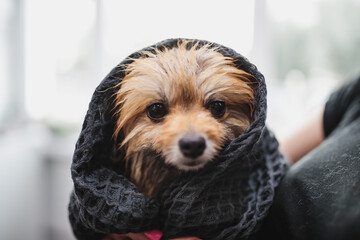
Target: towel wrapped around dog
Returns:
[227, 199]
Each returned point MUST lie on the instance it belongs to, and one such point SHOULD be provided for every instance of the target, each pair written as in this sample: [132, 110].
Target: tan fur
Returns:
[195, 119]
[185, 80]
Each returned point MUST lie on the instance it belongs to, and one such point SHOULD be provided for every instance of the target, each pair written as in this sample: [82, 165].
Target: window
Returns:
[54, 53]
[71, 46]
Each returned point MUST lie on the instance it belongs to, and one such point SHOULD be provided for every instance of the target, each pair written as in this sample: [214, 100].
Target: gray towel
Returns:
[227, 199]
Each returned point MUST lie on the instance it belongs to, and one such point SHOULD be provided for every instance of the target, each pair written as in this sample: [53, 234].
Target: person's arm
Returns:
[306, 138]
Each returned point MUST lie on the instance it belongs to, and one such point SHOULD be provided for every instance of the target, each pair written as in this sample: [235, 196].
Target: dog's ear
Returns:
[114, 111]
[118, 134]
[118, 152]
[252, 82]
[242, 94]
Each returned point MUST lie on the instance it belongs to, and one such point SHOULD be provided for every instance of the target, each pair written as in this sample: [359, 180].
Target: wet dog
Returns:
[176, 108]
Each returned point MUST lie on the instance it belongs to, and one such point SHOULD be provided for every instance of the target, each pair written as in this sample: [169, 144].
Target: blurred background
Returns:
[54, 53]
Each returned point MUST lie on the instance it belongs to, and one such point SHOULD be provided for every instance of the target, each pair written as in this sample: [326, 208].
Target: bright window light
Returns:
[132, 25]
[55, 35]
[71, 45]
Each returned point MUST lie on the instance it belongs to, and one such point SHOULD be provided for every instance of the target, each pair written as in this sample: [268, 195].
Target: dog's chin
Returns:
[178, 160]
[189, 164]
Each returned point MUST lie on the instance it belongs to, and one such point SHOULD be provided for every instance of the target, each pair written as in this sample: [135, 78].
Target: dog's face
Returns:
[182, 104]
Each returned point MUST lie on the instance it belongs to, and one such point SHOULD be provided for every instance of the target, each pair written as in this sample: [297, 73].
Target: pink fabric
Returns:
[154, 235]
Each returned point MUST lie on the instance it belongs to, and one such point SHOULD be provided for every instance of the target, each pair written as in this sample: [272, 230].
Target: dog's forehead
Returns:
[181, 75]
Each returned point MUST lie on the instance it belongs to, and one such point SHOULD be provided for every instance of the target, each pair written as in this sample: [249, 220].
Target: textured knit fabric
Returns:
[227, 199]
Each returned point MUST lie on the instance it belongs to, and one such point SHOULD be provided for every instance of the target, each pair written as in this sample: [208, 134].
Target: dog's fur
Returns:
[186, 80]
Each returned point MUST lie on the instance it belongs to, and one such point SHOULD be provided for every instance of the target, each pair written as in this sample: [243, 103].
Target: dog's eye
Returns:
[156, 111]
[217, 108]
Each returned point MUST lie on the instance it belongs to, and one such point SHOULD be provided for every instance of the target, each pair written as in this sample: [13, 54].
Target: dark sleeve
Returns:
[319, 196]
[338, 105]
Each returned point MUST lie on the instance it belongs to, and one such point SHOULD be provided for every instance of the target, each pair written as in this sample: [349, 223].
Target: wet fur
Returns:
[186, 79]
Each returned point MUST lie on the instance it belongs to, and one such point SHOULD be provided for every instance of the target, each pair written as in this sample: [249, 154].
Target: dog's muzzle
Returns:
[192, 146]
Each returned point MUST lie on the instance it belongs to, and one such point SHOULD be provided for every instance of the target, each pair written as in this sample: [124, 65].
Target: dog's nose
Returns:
[192, 146]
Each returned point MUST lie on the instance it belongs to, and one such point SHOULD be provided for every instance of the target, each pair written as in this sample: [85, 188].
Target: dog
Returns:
[176, 108]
